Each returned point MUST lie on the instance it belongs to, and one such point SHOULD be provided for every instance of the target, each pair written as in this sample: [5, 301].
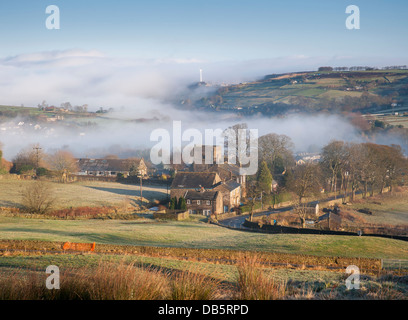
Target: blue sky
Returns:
[211, 30]
[138, 54]
[115, 53]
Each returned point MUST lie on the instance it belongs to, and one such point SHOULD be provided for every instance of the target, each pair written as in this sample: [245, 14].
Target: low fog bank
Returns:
[144, 95]
[125, 135]
[126, 132]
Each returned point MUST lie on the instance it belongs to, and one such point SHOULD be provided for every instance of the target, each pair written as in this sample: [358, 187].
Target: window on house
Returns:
[208, 202]
[188, 201]
[198, 202]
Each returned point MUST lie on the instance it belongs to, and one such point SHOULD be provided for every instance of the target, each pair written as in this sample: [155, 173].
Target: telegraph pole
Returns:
[37, 149]
[141, 189]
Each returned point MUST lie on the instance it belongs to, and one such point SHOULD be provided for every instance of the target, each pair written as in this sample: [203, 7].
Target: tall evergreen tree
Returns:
[182, 204]
[264, 178]
[173, 203]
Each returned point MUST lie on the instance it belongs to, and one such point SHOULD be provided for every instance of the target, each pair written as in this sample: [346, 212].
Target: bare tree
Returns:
[353, 168]
[63, 163]
[302, 212]
[232, 135]
[37, 198]
[306, 181]
[30, 158]
[276, 150]
[253, 192]
[333, 161]
[391, 165]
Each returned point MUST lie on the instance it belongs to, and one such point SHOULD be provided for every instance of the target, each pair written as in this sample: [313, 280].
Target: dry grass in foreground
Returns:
[122, 281]
[253, 284]
[109, 281]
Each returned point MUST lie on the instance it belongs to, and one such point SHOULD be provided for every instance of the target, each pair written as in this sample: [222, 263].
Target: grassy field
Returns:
[320, 86]
[220, 271]
[386, 209]
[195, 234]
[295, 281]
[113, 277]
[82, 193]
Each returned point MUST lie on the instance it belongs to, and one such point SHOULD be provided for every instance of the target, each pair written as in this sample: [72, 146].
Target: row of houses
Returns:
[209, 188]
[111, 167]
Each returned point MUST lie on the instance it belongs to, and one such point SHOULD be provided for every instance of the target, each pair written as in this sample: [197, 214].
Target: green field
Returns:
[318, 88]
[21, 110]
[389, 209]
[301, 281]
[220, 271]
[195, 234]
[79, 194]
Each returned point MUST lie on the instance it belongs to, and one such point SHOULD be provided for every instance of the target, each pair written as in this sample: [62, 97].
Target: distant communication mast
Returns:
[201, 75]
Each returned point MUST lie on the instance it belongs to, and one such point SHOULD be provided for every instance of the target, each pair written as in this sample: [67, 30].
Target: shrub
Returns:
[190, 285]
[107, 281]
[118, 282]
[37, 198]
[82, 212]
[253, 284]
[26, 169]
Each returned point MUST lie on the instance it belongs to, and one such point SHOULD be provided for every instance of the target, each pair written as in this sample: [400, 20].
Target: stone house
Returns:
[111, 167]
[231, 191]
[204, 202]
[198, 190]
[184, 181]
[226, 172]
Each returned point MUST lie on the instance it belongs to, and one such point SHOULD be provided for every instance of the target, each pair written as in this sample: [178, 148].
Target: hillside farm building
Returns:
[111, 167]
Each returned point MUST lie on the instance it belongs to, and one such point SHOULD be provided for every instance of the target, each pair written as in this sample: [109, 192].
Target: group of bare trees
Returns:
[38, 197]
[33, 160]
[348, 167]
[344, 169]
[277, 151]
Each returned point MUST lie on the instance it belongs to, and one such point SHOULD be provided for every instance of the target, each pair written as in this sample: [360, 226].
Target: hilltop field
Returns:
[87, 193]
[346, 91]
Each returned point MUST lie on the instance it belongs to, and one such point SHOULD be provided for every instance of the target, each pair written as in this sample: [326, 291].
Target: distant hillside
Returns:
[333, 91]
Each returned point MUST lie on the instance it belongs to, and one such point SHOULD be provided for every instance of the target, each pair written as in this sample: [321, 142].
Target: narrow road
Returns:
[237, 221]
